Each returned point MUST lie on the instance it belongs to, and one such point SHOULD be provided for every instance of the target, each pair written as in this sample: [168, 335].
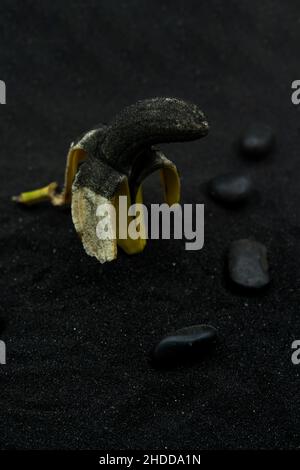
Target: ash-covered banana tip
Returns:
[204, 127]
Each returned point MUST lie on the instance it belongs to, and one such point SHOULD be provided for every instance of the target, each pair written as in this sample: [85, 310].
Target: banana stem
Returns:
[38, 195]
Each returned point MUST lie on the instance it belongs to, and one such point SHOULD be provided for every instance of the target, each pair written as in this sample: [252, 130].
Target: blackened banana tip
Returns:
[204, 128]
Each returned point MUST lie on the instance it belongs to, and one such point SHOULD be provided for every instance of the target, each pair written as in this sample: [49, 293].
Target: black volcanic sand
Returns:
[78, 334]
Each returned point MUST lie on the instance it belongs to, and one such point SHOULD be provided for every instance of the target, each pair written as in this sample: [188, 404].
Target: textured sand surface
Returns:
[77, 332]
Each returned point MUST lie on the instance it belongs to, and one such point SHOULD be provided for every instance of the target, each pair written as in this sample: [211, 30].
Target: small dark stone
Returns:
[248, 264]
[231, 188]
[257, 141]
[185, 344]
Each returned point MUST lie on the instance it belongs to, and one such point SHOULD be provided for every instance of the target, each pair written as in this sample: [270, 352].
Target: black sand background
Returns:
[78, 333]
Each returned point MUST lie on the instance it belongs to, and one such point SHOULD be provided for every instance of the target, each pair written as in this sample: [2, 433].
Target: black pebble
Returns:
[185, 344]
[248, 264]
[231, 188]
[257, 141]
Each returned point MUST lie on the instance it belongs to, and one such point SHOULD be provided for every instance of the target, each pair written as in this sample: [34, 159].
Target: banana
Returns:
[113, 160]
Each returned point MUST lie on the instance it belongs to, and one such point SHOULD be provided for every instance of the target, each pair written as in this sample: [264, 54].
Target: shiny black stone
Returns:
[230, 188]
[257, 141]
[248, 264]
[185, 344]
